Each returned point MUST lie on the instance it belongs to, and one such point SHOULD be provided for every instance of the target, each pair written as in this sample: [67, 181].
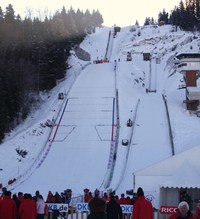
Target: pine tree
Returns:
[163, 16]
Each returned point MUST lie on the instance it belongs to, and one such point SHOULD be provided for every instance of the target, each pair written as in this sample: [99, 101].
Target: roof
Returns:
[181, 170]
[188, 55]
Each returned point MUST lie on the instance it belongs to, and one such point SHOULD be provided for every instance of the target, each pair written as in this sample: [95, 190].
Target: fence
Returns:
[81, 211]
[73, 214]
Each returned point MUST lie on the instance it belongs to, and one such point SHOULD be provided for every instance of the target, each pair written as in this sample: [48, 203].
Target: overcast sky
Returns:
[117, 12]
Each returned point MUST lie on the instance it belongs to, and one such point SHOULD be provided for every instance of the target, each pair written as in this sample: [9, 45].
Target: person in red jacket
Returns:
[182, 212]
[142, 208]
[50, 197]
[8, 209]
[88, 197]
[197, 210]
[27, 209]
[122, 199]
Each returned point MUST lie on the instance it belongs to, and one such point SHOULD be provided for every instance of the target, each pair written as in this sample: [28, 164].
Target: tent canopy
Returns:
[181, 170]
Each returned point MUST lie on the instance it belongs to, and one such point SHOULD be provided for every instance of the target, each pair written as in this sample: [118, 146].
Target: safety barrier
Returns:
[169, 125]
[75, 213]
[80, 215]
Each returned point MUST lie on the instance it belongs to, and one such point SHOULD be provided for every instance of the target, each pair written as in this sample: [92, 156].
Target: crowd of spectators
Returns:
[25, 206]
[122, 199]
[101, 205]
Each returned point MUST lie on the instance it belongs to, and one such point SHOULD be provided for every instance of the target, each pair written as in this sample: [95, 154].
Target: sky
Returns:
[78, 151]
[121, 13]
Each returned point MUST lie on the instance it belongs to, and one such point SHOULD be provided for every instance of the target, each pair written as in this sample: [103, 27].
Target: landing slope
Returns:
[80, 149]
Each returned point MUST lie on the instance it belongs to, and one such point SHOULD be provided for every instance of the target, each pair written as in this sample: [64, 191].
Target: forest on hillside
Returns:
[33, 54]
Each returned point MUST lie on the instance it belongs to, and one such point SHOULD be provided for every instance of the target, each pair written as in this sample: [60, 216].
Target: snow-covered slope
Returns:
[75, 153]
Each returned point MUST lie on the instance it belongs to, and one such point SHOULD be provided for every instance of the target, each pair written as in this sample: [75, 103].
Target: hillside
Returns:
[78, 150]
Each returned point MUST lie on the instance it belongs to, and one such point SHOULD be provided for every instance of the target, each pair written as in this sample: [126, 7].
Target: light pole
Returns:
[19, 160]
[38, 73]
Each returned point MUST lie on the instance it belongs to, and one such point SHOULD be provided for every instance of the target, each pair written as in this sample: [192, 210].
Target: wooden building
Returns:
[189, 66]
[146, 56]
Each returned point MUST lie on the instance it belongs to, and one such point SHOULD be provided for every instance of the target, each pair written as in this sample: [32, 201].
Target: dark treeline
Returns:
[186, 15]
[33, 54]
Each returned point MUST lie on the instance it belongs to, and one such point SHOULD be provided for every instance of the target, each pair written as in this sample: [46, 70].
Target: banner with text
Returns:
[59, 207]
[168, 209]
[84, 207]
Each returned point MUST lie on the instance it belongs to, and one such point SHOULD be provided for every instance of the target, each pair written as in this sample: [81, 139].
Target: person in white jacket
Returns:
[40, 207]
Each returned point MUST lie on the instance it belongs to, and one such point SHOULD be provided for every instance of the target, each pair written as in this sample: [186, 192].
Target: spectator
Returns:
[63, 197]
[122, 199]
[97, 207]
[197, 212]
[182, 212]
[133, 199]
[113, 209]
[117, 199]
[8, 209]
[96, 193]
[40, 204]
[127, 200]
[37, 193]
[17, 202]
[87, 197]
[50, 197]
[57, 198]
[142, 208]
[184, 196]
[68, 195]
[20, 196]
[4, 189]
[27, 209]
[106, 197]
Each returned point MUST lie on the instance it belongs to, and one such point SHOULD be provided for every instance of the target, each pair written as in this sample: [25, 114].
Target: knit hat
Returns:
[140, 192]
[183, 203]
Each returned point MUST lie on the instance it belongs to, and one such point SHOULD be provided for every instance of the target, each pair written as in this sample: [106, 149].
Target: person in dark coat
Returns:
[97, 207]
[20, 196]
[8, 209]
[143, 208]
[17, 202]
[113, 209]
[4, 189]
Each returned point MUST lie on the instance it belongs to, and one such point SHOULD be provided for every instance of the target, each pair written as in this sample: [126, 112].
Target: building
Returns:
[146, 56]
[188, 64]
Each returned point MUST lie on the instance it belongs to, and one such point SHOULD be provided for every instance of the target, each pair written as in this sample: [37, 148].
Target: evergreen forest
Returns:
[186, 16]
[33, 56]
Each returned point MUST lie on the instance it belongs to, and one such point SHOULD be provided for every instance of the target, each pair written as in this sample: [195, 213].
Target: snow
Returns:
[77, 152]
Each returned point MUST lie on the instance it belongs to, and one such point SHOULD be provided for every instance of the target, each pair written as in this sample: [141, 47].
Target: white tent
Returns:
[169, 176]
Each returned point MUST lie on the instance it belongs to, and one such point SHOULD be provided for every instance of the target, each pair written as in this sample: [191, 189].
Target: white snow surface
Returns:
[77, 152]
